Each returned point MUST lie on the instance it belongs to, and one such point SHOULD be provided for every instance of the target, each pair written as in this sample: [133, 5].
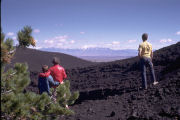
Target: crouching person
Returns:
[45, 82]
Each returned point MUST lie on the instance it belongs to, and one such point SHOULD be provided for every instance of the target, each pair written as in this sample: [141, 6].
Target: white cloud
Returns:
[108, 44]
[35, 47]
[112, 45]
[36, 30]
[38, 47]
[49, 41]
[61, 41]
[62, 38]
[115, 43]
[178, 33]
[57, 39]
[60, 44]
[72, 41]
[131, 41]
[169, 40]
[82, 32]
[10, 34]
[165, 40]
[89, 46]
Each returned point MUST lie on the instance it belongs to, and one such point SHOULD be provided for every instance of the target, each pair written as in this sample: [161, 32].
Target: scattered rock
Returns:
[112, 114]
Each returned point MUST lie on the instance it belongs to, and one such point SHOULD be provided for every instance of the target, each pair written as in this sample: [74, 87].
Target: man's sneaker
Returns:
[155, 83]
[143, 88]
[67, 106]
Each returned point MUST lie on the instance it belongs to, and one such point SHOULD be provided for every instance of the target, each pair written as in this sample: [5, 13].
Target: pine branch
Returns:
[6, 92]
[12, 74]
[12, 51]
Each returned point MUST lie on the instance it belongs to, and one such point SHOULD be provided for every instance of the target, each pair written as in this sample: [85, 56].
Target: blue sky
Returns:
[115, 24]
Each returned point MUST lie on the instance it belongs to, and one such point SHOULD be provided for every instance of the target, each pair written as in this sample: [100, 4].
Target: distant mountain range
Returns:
[94, 52]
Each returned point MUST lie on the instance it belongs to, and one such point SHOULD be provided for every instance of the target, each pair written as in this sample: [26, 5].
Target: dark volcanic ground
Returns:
[110, 91]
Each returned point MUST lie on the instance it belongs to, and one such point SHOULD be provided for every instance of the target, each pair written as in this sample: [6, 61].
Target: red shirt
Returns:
[57, 72]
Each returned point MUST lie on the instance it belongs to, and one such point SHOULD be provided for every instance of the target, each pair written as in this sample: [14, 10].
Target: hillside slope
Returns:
[111, 74]
[36, 59]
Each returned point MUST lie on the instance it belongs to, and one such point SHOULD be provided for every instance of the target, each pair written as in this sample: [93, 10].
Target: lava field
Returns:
[111, 91]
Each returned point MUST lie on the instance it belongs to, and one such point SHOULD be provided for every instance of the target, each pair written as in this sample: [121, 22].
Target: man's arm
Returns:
[139, 49]
[46, 74]
[151, 54]
[64, 74]
[52, 82]
[139, 54]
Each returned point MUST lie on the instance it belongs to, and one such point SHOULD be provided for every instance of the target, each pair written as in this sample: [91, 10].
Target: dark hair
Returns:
[44, 68]
[144, 36]
[55, 61]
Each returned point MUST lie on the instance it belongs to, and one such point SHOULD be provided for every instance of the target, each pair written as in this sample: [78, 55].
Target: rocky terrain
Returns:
[111, 91]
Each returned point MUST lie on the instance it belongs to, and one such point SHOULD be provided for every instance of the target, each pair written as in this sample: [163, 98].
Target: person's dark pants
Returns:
[45, 83]
[145, 61]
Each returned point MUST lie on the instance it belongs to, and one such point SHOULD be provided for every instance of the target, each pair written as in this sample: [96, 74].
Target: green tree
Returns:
[25, 37]
[19, 105]
[7, 49]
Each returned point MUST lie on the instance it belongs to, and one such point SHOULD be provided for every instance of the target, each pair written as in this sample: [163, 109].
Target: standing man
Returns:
[58, 73]
[146, 55]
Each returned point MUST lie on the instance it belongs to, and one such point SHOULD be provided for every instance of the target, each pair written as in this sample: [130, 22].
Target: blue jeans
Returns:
[44, 84]
[145, 61]
[51, 83]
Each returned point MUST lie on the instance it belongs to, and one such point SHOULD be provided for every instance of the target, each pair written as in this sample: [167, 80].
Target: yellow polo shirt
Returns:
[145, 49]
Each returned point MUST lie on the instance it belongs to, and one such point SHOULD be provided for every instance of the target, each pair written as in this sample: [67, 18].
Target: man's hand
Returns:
[151, 59]
[139, 51]
[62, 82]
[151, 55]
[139, 54]
[46, 74]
